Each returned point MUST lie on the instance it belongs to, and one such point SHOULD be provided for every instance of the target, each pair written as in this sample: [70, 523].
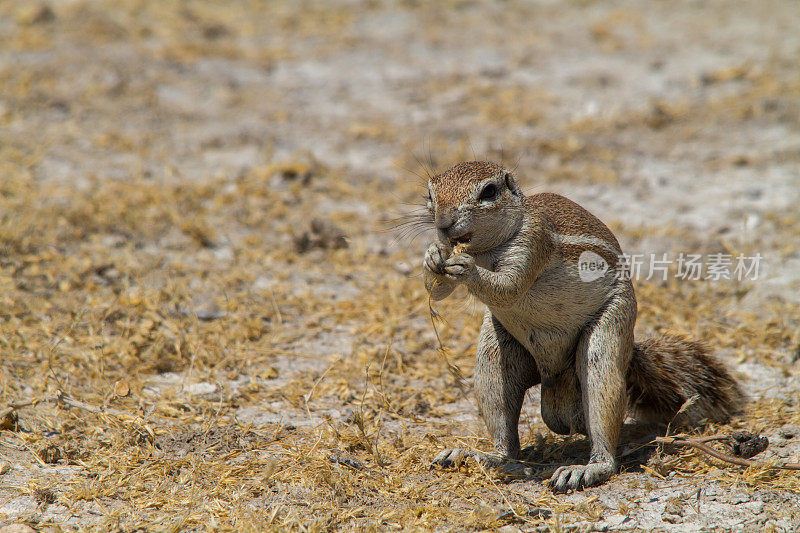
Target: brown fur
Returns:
[571, 253]
[570, 218]
[665, 372]
[450, 184]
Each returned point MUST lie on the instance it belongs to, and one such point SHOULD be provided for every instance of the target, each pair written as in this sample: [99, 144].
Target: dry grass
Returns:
[229, 381]
[82, 315]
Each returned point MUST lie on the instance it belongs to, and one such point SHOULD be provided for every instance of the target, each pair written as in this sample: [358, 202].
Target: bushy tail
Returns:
[665, 372]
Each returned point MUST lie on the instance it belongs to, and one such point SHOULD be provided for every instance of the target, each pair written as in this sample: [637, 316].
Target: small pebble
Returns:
[201, 389]
[4, 467]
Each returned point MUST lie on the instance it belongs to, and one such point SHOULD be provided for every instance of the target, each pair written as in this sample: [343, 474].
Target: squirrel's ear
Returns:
[511, 183]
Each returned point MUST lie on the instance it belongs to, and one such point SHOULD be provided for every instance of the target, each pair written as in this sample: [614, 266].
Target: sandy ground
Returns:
[233, 365]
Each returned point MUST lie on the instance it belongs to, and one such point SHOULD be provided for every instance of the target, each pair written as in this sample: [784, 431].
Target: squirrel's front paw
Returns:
[435, 258]
[459, 267]
[576, 477]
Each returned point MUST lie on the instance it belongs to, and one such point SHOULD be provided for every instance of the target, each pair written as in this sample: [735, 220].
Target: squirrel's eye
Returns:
[488, 192]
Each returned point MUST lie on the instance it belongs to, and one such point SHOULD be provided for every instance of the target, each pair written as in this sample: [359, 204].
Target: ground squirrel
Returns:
[547, 323]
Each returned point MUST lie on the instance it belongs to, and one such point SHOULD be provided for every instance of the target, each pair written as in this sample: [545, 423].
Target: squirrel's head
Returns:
[477, 204]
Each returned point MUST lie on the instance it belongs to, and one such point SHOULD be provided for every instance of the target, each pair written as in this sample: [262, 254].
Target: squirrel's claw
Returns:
[577, 477]
[501, 466]
[451, 457]
[435, 258]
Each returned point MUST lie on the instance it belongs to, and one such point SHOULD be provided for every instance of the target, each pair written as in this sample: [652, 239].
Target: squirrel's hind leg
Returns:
[601, 361]
[504, 371]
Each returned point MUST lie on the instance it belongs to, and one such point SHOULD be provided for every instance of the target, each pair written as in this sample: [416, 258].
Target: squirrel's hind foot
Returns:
[499, 465]
[577, 477]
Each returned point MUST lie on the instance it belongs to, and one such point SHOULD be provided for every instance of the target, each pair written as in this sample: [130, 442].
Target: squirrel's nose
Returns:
[444, 223]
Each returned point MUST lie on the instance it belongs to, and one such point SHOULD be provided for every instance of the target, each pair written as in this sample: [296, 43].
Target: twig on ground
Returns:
[62, 397]
[699, 444]
[8, 415]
